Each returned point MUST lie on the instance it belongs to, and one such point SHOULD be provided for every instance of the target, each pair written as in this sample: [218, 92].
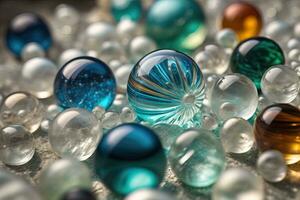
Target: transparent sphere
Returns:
[209, 121]
[280, 31]
[294, 55]
[111, 50]
[212, 60]
[127, 30]
[67, 18]
[52, 111]
[62, 176]
[141, 46]
[149, 195]
[271, 166]
[16, 145]
[110, 120]
[45, 125]
[23, 109]
[114, 65]
[294, 43]
[38, 76]
[122, 75]
[15, 188]
[197, 158]
[99, 112]
[32, 50]
[234, 95]
[238, 184]
[68, 55]
[280, 84]
[237, 135]
[127, 115]
[227, 38]
[120, 101]
[76, 133]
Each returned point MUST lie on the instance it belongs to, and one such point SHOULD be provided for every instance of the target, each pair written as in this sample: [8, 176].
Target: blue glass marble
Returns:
[126, 9]
[26, 28]
[130, 157]
[166, 86]
[85, 82]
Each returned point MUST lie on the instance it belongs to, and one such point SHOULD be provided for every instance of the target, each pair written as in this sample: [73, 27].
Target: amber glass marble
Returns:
[278, 127]
[243, 18]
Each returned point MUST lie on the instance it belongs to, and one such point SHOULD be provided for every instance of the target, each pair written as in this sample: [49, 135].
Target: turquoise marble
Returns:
[126, 9]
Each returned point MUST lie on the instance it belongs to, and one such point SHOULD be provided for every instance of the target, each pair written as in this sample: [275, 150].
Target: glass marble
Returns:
[112, 50]
[110, 120]
[122, 75]
[234, 95]
[197, 158]
[149, 195]
[271, 166]
[166, 86]
[99, 112]
[15, 188]
[127, 115]
[75, 133]
[16, 145]
[237, 135]
[130, 157]
[126, 9]
[178, 25]
[227, 38]
[238, 184]
[140, 46]
[23, 109]
[68, 55]
[280, 84]
[79, 194]
[277, 127]
[38, 76]
[26, 28]
[254, 56]
[62, 176]
[32, 50]
[243, 18]
[127, 30]
[280, 31]
[85, 82]
[67, 19]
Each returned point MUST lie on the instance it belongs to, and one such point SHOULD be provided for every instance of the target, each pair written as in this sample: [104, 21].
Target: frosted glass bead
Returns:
[32, 50]
[293, 43]
[38, 76]
[280, 84]
[76, 133]
[280, 31]
[115, 64]
[271, 166]
[127, 30]
[119, 102]
[141, 46]
[237, 135]
[111, 50]
[68, 55]
[122, 75]
[227, 38]
[209, 121]
[16, 145]
[110, 120]
[67, 18]
[62, 176]
[22, 108]
[238, 184]
[234, 95]
[99, 112]
[149, 195]
[127, 115]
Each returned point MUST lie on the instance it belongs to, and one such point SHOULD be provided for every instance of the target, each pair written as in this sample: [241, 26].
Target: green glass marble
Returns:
[254, 56]
[126, 9]
[178, 25]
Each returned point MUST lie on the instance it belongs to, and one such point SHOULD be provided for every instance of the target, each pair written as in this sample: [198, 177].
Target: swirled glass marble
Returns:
[85, 82]
[26, 28]
[254, 56]
[166, 86]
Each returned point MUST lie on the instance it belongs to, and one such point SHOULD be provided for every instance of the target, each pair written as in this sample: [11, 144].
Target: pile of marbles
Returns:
[136, 93]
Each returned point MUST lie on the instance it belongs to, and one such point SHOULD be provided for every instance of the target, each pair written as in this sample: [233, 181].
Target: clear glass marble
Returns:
[32, 50]
[237, 184]
[52, 111]
[127, 115]
[237, 135]
[120, 101]
[234, 95]
[227, 38]
[76, 133]
[141, 46]
[127, 30]
[68, 55]
[67, 19]
[271, 166]
[61, 176]
[22, 108]
[122, 75]
[280, 31]
[150, 195]
[16, 145]
[110, 120]
[197, 158]
[166, 86]
[280, 84]
[99, 112]
[38, 76]
[112, 50]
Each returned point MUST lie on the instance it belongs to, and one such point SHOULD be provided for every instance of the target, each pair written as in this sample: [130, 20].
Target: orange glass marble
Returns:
[278, 127]
[243, 18]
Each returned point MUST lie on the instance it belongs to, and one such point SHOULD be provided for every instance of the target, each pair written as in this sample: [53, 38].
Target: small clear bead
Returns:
[32, 50]
[52, 111]
[119, 102]
[227, 38]
[110, 120]
[111, 50]
[127, 115]
[67, 18]
[280, 31]
[45, 125]
[294, 55]
[263, 102]
[141, 46]
[115, 64]
[293, 43]
[122, 75]
[126, 31]
[99, 112]
[271, 166]
[68, 55]
[209, 121]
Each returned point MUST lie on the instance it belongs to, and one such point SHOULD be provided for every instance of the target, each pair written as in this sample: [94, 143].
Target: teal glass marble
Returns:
[178, 25]
[252, 57]
[197, 158]
[166, 86]
[126, 9]
[130, 157]
[85, 82]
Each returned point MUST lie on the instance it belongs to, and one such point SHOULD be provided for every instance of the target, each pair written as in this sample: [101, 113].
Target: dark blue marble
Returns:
[85, 82]
[130, 157]
[26, 28]
[79, 194]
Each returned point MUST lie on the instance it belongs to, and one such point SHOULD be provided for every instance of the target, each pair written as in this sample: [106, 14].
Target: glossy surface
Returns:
[75, 133]
[79, 194]
[166, 87]
[126, 9]
[197, 158]
[26, 28]
[243, 18]
[254, 56]
[278, 127]
[130, 157]
[85, 82]
[178, 25]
